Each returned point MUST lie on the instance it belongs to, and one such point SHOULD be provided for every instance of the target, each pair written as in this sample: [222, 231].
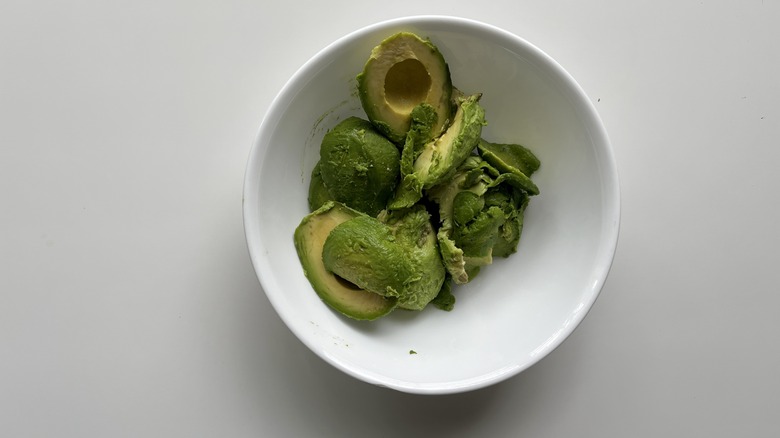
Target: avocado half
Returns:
[402, 72]
[338, 293]
[395, 255]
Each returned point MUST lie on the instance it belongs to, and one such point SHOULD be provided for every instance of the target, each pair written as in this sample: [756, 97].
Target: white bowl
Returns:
[518, 309]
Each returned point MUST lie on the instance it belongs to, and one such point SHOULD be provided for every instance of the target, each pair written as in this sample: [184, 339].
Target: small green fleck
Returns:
[412, 352]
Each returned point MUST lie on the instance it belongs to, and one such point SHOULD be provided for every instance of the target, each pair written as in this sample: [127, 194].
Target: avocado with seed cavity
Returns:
[402, 72]
[341, 295]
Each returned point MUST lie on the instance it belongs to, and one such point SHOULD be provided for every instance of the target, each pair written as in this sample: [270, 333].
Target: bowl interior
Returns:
[518, 309]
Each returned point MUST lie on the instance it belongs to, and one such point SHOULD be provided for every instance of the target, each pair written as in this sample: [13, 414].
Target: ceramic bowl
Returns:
[518, 309]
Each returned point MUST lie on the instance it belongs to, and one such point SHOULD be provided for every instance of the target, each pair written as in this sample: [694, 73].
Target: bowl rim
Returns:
[611, 204]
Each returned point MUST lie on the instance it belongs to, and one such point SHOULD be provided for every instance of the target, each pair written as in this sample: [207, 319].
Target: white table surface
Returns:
[128, 304]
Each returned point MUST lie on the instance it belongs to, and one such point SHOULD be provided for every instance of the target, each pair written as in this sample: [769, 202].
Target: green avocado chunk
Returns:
[318, 193]
[439, 158]
[516, 161]
[509, 157]
[410, 188]
[395, 256]
[481, 216]
[513, 202]
[442, 156]
[402, 72]
[445, 300]
[358, 166]
[341, 295]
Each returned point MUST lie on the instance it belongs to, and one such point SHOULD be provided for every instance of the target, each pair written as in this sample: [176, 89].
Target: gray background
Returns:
[128, 304]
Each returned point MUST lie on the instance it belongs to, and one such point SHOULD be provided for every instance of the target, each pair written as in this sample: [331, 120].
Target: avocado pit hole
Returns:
[407, 84]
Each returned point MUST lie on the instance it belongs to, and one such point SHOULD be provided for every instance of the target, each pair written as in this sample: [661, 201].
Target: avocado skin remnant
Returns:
[309, 239]
[358, 166]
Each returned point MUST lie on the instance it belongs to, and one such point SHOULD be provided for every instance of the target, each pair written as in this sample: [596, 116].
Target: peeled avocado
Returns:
[442, 156]
[402, 72]
[358, 166]
[344, 297]
[318, 193]
[509, 158]
[481, 216]
[439, 158]
[516, 163]
[395, 256]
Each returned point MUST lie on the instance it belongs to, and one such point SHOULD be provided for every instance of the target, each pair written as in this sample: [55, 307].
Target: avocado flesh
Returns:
[515, 162]
[508, 238]
[409, 190]
[481, 216]
[509, 157]
[346, 298]
[445, 300]
[402, 72]
[453, 258]
[470, 179]
[395, 256]
[439, 158]
[358, 166]
[318, 193]
[478, 237]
